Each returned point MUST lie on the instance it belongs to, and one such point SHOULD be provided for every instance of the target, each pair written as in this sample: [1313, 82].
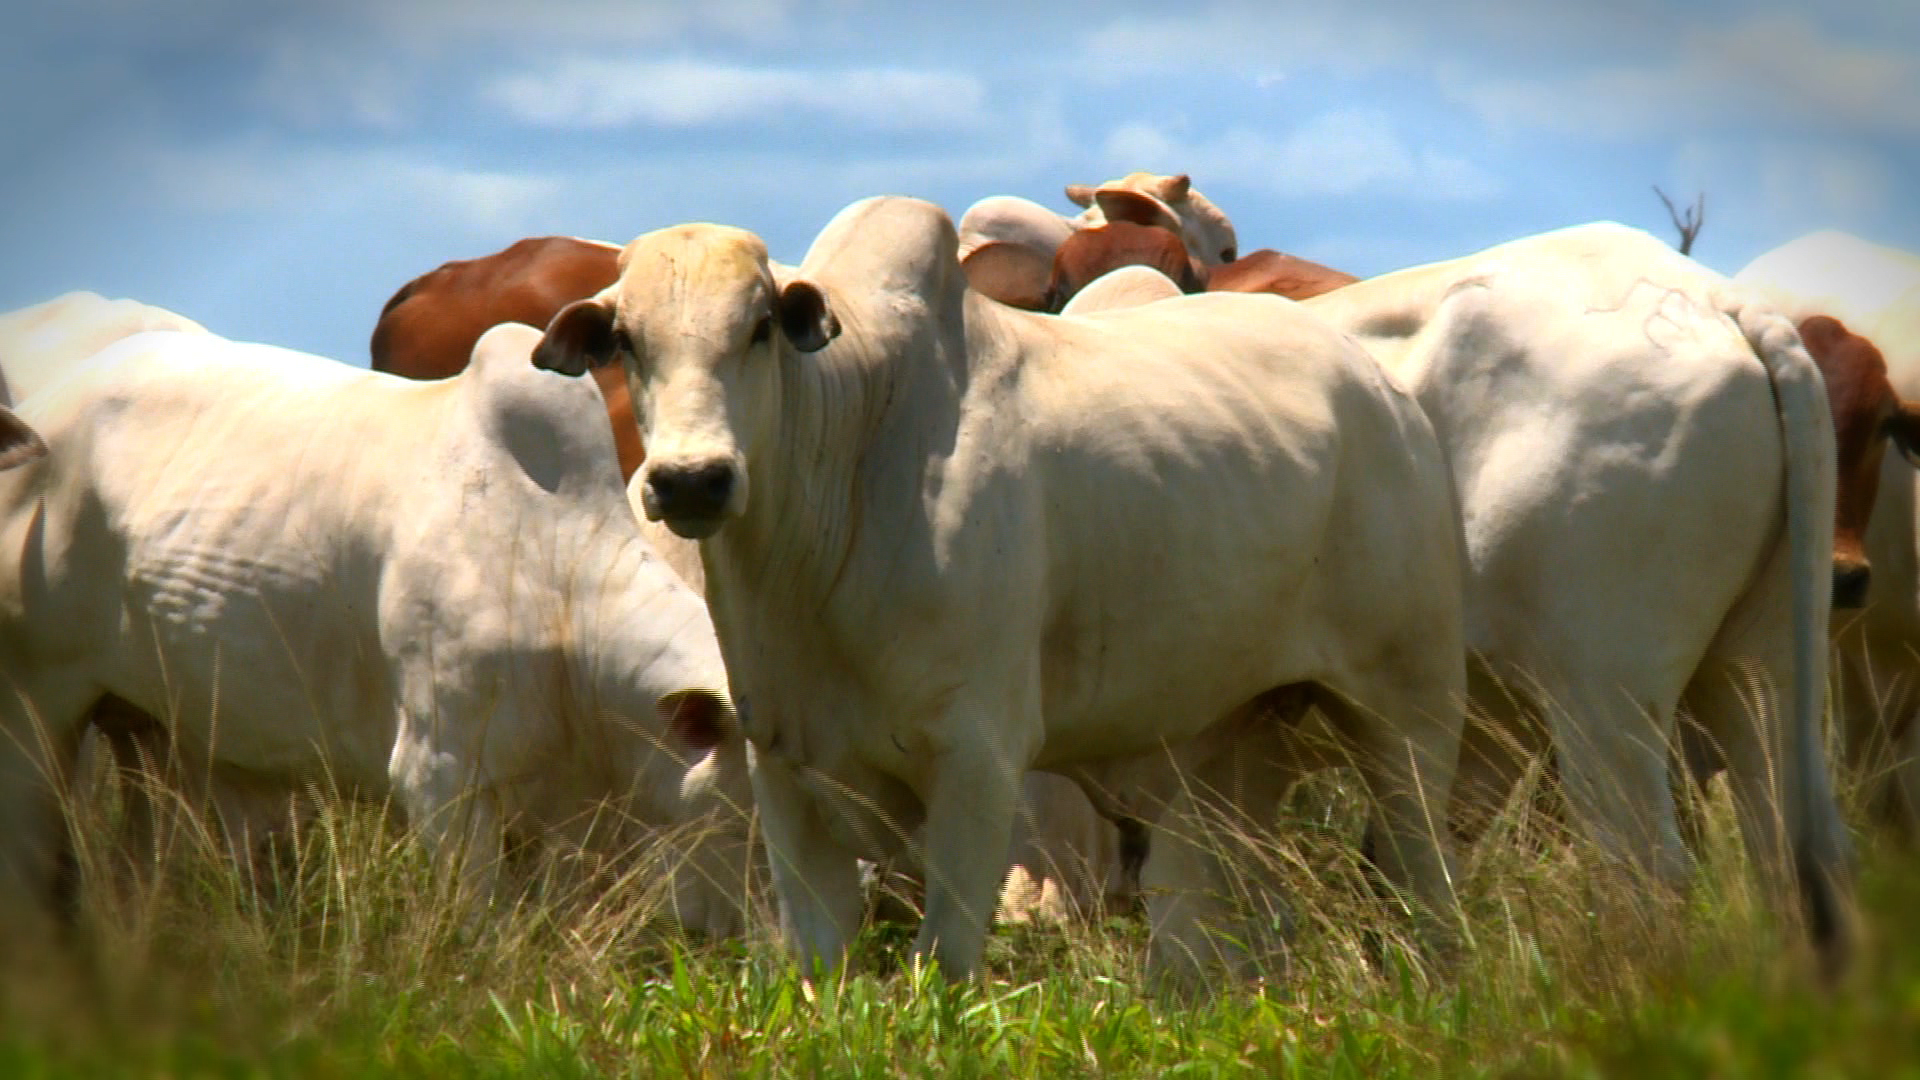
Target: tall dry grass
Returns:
[343, 955]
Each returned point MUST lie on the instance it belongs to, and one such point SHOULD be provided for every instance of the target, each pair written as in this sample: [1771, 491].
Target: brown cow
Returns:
[1867, 414]
[1128, 240]
[1091, 252]
[1278, 273]
[428, 329]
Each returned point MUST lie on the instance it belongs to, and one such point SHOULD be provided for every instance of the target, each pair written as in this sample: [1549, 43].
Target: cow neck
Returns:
[814, 500]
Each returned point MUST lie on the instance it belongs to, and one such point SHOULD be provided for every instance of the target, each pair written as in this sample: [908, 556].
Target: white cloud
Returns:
[584, 92]
[597, 21]
[258, 177]
[1345, 152]
[315, 86]
[1273, 43]
[1802, 179]
[1274, 40]
[1770, 69]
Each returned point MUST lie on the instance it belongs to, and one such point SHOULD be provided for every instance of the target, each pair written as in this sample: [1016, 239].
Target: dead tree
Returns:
[1688, 223]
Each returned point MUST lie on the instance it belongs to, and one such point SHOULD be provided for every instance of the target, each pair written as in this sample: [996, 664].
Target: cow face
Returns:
[1207, 232]
[1867, 414]
[702, 327]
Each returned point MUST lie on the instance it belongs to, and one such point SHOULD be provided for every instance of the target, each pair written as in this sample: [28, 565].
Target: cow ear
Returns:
[1119, 204]
[697, 719]
[1175, 188]
[1819, 333]
[19, 443]
[579, 337]
[1903, 427]
[1080, 194]
[805, 317]
[1195, 279]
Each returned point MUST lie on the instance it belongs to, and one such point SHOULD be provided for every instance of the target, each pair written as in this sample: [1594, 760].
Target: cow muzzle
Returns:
[692, 498]
[1850, 581]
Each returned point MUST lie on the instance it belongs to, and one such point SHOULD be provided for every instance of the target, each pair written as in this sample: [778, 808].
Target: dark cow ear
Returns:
[1080, 194]
[19, 443]
[696, 719]
[1903, 427]
[805, 317]
[1175, 188]
[1195, 279]
[579, 337]
[1134, 208]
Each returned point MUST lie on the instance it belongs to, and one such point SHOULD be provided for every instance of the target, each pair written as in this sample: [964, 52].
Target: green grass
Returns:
[349, 966]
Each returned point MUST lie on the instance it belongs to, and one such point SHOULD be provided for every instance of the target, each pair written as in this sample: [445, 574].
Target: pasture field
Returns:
[346, 963]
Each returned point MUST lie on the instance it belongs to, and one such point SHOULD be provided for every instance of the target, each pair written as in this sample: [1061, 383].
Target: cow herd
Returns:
[1011, 552]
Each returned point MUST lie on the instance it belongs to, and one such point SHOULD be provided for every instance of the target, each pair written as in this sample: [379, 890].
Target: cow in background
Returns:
[1858, 307]
[429, 327]
[433, 593]
[1008, 243]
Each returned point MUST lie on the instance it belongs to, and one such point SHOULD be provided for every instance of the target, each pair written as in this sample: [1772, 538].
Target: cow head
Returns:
[701, 325]
[1092, 252]
[1867, 415]
[1208, 234]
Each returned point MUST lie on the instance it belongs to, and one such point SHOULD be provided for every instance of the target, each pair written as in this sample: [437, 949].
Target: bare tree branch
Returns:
[1688, 224]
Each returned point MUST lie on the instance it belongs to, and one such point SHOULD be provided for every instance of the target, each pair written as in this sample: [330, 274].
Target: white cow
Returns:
[1646, 468]
[1127, 286]
[432, 593]
[1007, 243]
[1875, 291]
[1066, 861]
[42, 343]
[947, 542]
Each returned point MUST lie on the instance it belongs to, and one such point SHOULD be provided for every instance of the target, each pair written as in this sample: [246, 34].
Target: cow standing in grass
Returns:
[1858, 304]
[946, 542]
[1645, 462]
[431, 595]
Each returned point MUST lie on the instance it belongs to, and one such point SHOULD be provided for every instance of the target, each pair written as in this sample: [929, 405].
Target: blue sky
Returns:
[276, 170]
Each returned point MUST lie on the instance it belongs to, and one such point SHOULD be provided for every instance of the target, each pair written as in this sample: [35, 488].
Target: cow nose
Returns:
[692, 491]
[1850, 581]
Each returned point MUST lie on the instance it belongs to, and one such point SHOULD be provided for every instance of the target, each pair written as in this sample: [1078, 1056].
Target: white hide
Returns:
[425, 592]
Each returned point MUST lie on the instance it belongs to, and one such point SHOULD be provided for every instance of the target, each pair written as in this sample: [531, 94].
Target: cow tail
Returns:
[1821, 856]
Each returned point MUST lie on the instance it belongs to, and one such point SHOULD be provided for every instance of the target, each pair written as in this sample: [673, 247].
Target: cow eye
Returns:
[1229, 253]
[762, 331]
[622, 340]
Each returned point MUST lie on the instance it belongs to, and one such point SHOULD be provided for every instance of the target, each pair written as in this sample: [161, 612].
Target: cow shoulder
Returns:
[553, 427]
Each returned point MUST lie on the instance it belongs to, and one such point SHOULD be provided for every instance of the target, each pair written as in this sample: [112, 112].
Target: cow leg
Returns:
[1497, 744]
[451, 813]
[1066, 858]
[1875, 704]
[1789, 820]
[1407, 747]
[1227, 782]
[1613, 752]
[1189, 899]
[142, 762]
[816, 878]
[970, 810]
[39, 748]
[1692, 767]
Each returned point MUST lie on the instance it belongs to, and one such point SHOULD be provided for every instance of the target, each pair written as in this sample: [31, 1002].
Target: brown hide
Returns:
[1091, 252]
[428, 329]
[1275, 272]
[1867, 414]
